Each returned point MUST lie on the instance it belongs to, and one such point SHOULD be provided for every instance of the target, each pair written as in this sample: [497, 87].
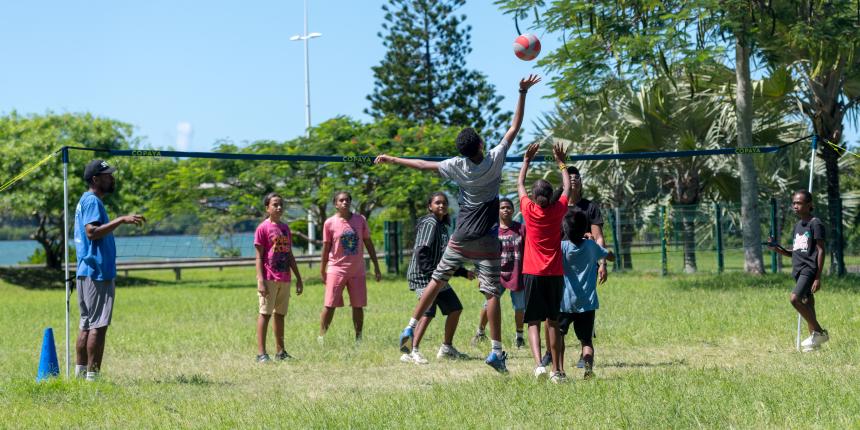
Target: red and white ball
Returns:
[527, 47]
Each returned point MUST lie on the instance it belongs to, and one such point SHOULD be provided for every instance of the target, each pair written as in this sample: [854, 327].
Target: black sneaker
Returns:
[546, 360]
[263, 358]
[281, 356]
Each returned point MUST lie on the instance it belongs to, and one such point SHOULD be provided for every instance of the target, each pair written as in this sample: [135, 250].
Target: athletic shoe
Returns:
[558, 378]
[546, 360]
[263, 358]
[497, 361]
[818, 338]
[406, 340]
[451, 353]
[281, 356]
[321, 340]
[807, 343]
[413, 357]
[540, 372]
[92, 376]
[520, 342]
[589, 371]
[479, 338]
[581, 363]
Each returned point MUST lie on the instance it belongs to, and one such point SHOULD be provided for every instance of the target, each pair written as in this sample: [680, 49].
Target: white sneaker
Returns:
[321, 340]
[451, 353]
[92, 376]
[540, 372]
[413, 357]
[807, 343]
[818, 338]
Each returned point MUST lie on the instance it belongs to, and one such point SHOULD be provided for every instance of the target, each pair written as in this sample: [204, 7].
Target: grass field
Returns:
[677, 352]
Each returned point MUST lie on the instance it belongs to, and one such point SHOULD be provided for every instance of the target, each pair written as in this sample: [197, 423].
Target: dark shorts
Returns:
[447, 302]
[583, 325]
[803, 288]
[543, 297]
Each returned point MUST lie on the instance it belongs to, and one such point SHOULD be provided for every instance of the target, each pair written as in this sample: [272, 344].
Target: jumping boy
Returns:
[475, 238]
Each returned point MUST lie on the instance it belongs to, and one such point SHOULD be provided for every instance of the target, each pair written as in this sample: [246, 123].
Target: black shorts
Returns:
[803, 288]
[543, 297]
[446, 300]
[583, 324]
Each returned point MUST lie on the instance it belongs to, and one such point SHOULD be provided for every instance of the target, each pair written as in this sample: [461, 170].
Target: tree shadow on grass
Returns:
[849, 283]
[50, 279]
[645, 364]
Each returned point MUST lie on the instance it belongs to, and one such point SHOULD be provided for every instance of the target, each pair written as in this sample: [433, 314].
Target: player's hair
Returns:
[542, 193]
[506, 200]
[468, 142]
[575, 226]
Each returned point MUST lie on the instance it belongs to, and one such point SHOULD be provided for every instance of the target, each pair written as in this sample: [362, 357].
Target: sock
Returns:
[519, 334]
[480, 332]
[446, 347]
[412, 322]
[415, 350]
[80, 371]
[497, 345]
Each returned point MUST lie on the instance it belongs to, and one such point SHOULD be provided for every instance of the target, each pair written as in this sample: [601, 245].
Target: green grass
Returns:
[676, 352]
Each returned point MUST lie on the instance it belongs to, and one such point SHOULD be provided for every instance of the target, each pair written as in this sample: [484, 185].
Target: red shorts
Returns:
[355, 285]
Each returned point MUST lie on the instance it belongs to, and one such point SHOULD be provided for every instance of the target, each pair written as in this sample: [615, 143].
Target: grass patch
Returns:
[673, 352]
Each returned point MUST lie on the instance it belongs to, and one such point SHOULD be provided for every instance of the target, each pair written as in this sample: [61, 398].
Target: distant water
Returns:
[141, 248]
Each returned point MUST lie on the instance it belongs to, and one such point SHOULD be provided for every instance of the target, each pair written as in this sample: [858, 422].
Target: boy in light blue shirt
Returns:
[579, 299]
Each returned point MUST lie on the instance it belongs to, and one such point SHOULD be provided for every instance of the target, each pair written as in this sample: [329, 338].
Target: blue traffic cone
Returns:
[48, 364]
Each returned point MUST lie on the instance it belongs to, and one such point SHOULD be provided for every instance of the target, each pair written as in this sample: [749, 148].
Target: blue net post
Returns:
[664, 264]
[718, 236]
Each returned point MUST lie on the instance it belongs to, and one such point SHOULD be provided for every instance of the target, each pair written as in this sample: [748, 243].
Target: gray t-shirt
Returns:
[804, 254]
[479, 191]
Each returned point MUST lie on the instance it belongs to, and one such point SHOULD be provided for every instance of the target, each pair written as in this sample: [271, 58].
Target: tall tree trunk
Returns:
[750, 219]
[834, 211]
[688, 235]
[628, 231]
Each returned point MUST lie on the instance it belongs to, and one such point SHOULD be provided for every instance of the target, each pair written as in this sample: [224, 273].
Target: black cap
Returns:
[97, 167]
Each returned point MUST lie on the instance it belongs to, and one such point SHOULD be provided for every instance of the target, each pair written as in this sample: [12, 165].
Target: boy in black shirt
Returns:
[807, 264]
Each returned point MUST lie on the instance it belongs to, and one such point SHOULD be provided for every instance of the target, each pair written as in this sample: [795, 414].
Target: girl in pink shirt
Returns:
[343, 263]
[273, 244]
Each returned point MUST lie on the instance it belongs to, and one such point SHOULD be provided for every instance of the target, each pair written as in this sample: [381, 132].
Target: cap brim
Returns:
[108, 170]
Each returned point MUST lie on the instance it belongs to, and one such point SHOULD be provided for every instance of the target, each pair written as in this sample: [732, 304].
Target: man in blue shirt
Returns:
[96, 271]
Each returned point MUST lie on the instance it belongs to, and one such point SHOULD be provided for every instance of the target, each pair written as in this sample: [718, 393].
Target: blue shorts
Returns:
[518, 300]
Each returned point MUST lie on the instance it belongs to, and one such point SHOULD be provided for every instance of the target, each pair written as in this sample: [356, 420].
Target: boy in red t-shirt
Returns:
[543, 274]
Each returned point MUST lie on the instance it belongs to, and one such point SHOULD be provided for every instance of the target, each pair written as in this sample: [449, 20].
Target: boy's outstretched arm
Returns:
[517, 122]
[408, 162]
[524, 170]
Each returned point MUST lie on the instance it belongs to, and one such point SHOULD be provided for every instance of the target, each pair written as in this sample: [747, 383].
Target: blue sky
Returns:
[187, 73]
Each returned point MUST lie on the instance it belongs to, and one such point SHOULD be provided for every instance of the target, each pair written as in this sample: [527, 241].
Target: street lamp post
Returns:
[305, 36]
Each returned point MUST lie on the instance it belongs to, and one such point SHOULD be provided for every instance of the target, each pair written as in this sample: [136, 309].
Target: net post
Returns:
[664, 269]
[718, 233]
[66, 281]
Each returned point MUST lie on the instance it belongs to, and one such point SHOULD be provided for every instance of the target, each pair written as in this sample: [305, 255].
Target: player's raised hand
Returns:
[528, 82]
[531, 151]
